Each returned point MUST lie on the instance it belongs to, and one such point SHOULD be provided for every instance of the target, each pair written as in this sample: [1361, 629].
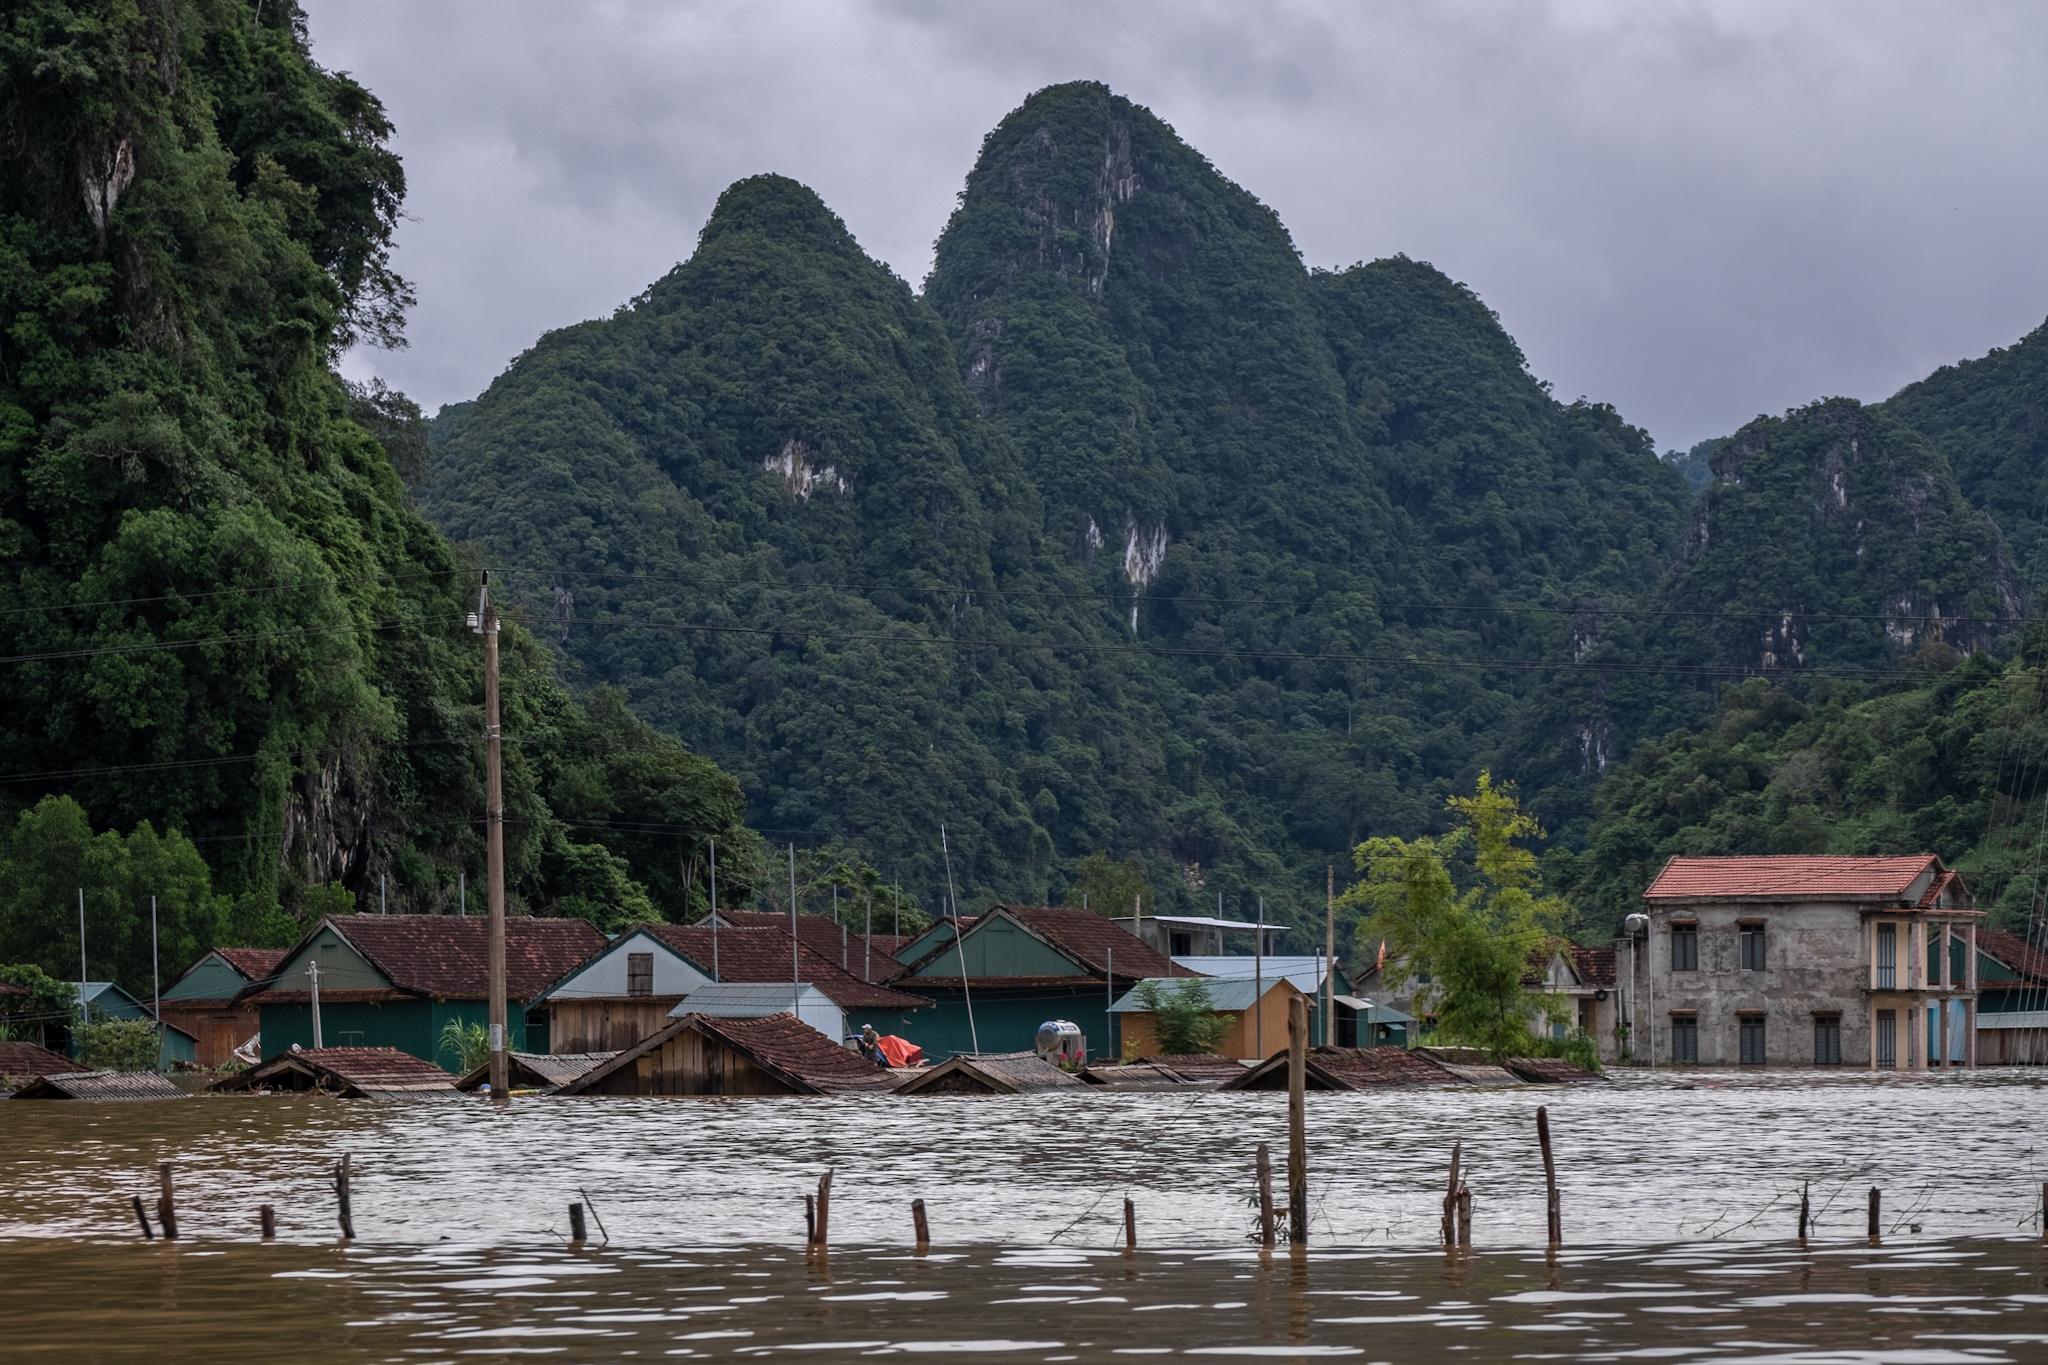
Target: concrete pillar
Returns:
[1943, 1031]
[1873, 1029]
[1970, 958]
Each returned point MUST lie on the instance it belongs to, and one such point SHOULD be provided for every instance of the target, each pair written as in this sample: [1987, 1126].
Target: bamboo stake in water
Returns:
[266, 1219]
[166, 1203]
[142, 1218]
[1450, 1228]
[1549, 1176]
[1266, 1237]
[1297, 1121]
[1130, 1226]
[924, 1231]
[348, 1222]
[1874, 1213]
[824, 1205]
[1465, 1216]
[576, 1225]
[1805, 1210]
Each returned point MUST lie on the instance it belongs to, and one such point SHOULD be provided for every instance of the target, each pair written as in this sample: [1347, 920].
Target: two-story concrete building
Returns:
[1799, 961]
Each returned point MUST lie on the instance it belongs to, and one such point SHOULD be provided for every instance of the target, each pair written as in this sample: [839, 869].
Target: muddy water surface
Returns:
[1678, 1203]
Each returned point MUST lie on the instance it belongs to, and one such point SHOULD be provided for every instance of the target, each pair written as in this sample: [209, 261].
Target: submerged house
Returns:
[1258, 1022]
[1022, 966]
[990, 1073]
[209, 1001]
[2012, 1001]
[105, 1000]
[697, 1055]
[871, 957]
[627, 990]
[374, 1073]
[399, 980]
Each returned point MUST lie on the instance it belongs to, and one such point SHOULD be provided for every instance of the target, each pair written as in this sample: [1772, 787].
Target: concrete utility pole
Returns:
[494, 835]
[313, 975]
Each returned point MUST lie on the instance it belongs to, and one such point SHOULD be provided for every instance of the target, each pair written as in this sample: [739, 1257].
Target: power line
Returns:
[176, 595]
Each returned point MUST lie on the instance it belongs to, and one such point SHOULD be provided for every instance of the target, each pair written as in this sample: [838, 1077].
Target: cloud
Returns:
[1694, 212]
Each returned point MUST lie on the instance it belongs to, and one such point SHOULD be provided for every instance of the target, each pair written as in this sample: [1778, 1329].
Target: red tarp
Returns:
[900, 1051]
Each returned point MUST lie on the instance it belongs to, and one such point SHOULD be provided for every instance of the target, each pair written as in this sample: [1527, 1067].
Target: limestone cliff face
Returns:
[1836, 538]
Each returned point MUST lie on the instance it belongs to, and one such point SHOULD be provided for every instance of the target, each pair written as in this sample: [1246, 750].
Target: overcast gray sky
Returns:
[1696, 212]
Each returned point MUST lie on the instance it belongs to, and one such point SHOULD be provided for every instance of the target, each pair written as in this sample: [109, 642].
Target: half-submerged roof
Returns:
[763, 955]
[100, 1085]
[1795, 877]
[989, 1073]
[27, 1059]
[792, 1052]
[537, 1070]
[1349, 1068]
[374, 1073]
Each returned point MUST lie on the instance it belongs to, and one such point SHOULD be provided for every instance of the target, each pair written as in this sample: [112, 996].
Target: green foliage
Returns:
[1472, 948]
[118, 1045]
[1184, 1018]
[1951, 767]
[331, 899]
[1578, 1047]
[51, 854]
[468, 1044]
[1109, 888]
[51, 1000]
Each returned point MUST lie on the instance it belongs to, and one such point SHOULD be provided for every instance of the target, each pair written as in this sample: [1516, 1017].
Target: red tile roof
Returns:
[447, 956]
[6, 989]
[2014, 951]
[372, 1072]
[821, 933]
[763, 955]
[256, 964]
[26, 1059]
[1595, 965]
[800, 1056]
[1789, 875]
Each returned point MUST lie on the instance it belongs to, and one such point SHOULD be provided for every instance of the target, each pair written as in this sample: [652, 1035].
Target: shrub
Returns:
[1184, 1018]
[118, 1045]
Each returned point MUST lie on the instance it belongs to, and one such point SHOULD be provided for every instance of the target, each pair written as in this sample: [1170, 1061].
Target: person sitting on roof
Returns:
[871, 1046]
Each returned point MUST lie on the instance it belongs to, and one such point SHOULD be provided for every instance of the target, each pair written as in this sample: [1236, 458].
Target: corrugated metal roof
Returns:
[1305, 971]
[1224, 996]
[527, 1069]
[748, 999]
[1789, 875]
[100, 1085]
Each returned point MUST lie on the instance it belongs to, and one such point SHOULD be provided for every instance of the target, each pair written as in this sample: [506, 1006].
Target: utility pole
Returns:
[156, 987]
[313, 973]
[83, 1017]
[1329, 955]
[486, 624]
[796, 971]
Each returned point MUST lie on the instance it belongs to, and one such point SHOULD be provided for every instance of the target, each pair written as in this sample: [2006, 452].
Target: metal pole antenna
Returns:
[1329, 953]
[714, 911]
[796, 975]
[494, 829]
[1259, 985]
[959, 946]
[83, 1017]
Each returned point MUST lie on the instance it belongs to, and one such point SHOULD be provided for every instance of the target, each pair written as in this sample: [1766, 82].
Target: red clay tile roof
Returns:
[1595, 965]
[805, 1059]
[256, 964]
[820, 933]
[1090, 939]
[1947, 884]
[1350, 1068]
[1091, 984]
[2014, 951]
[369, 1071]
[26, 1059]
[446, 956]
[763, 955]
[1789, 875]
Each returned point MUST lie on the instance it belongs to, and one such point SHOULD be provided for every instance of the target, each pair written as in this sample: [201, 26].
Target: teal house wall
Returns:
[210, 978]
[1007, 1020]
[411, 1025]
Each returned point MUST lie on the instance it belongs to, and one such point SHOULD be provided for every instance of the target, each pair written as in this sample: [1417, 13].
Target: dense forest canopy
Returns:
[1132, 554]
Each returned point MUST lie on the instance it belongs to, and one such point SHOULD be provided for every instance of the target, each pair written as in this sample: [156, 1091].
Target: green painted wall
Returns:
[411, 1026]
[1007, 1021]
[209, 979]
[342, 968]
[1000, 947]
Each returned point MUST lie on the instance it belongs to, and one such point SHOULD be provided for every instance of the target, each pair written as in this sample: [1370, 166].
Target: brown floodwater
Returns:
[1678, 1206]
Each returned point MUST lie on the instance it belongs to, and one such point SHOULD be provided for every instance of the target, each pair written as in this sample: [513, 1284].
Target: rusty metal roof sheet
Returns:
[100, 1085]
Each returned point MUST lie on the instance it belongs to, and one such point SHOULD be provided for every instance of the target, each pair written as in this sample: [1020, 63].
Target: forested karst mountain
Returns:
[225, 617]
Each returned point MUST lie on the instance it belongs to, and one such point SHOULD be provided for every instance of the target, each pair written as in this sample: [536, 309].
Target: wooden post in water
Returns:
[1805, 1210]
[166, 1203]
[824, 1205]
[1130, 1227]
[1297, 1121]
[1450, 1228]
[1875, 1204]
[2044, 1210]
[348, 1222]
[1549, 1176]
[576, 1225]
[1465, 1216]
[810, 1220]
[1266, 1237]
[266, 1219]
[924, 1231]
[142, 1218]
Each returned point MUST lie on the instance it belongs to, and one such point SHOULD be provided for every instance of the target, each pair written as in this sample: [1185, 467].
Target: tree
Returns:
[1184, 1017]
[50, 1002]
[1109, 888]
[1469, 948]
[119, 1045]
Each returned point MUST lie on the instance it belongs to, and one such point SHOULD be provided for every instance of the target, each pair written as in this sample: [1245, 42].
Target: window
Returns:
[1751, 1027]
[639, 973]
[1752, 936]
[1685, 1038]
[1183, 945]
[1887, 1042]
[1827, 1040]
[1586, 1016]
[1887, 956]
[1685, 947]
